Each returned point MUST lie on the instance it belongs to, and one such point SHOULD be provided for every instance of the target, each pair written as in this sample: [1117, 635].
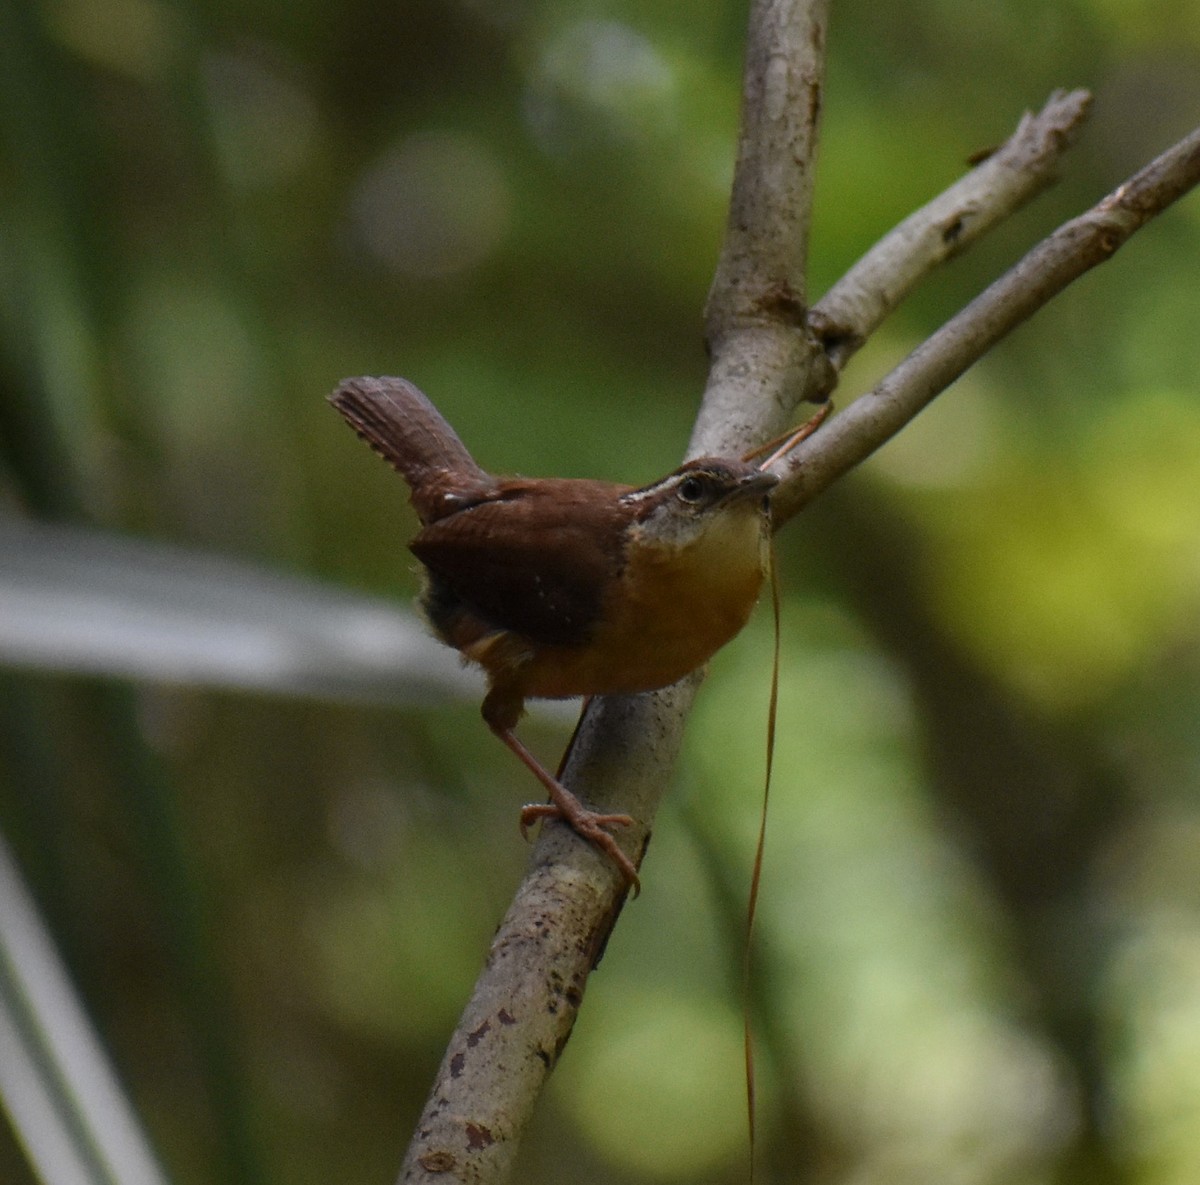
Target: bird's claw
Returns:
[589, 825]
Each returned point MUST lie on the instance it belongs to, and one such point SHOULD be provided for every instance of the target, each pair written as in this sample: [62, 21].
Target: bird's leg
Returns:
[585, 822]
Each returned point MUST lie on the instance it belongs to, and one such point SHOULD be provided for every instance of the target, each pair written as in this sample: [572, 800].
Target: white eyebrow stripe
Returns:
[657, 488]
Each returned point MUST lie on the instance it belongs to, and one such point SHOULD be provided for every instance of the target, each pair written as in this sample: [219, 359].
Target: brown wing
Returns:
[400, 424]
[534, 558]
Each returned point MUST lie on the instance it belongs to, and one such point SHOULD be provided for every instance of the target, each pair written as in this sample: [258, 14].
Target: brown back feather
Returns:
[534, 557]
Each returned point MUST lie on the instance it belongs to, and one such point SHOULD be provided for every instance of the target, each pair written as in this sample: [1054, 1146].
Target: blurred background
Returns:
[273, 878]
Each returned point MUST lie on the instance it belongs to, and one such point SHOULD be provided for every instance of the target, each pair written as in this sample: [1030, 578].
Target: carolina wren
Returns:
[560, 587]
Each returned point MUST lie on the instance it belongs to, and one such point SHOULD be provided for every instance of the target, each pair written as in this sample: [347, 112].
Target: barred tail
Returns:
[404, 428]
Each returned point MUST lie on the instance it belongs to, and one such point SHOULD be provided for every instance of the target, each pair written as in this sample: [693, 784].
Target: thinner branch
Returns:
[1075, 248]
[1015, 173]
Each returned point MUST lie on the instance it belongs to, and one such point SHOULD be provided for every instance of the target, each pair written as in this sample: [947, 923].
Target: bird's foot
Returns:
[589, 825]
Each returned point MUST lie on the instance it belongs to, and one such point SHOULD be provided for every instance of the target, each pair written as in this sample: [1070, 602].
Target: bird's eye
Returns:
[691, 489]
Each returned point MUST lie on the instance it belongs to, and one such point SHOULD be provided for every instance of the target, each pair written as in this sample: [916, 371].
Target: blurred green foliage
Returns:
[980, 951]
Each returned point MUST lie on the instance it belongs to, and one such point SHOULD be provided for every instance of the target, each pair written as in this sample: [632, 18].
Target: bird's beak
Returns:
[753, 485]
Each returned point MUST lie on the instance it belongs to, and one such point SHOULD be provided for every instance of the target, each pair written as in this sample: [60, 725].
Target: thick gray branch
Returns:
[527, 996]
[755, 318]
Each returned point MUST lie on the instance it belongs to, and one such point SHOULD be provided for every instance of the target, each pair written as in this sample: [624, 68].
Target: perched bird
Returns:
[560, 587]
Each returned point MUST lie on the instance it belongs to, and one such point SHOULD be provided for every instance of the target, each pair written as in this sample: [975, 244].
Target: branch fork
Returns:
[767, 355]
